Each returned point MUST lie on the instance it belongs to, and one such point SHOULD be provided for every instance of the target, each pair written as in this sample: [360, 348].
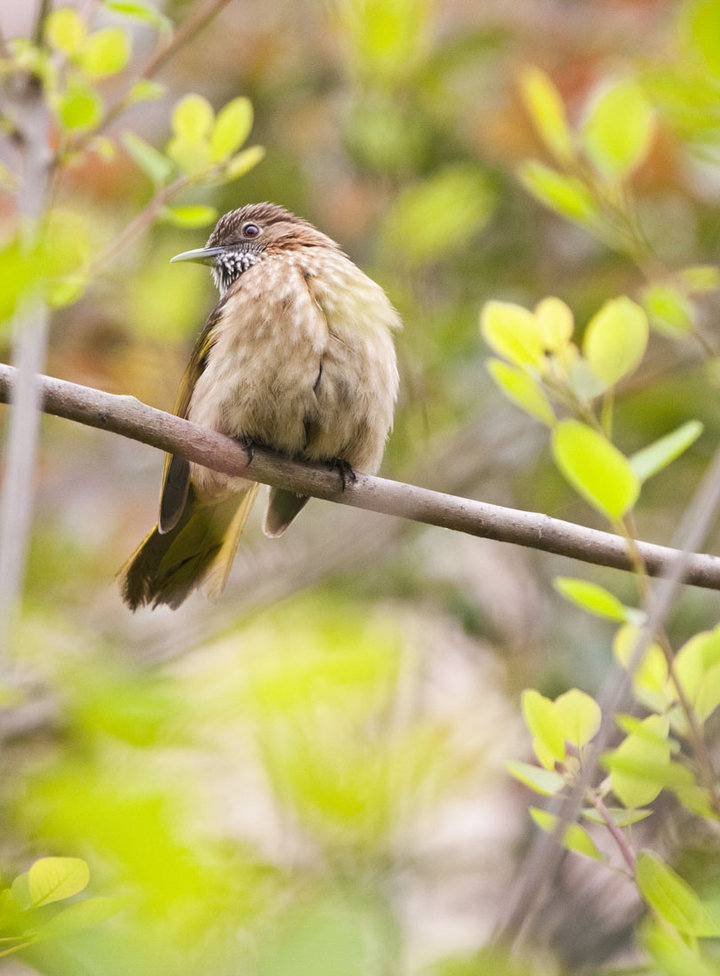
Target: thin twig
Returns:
[131, 418]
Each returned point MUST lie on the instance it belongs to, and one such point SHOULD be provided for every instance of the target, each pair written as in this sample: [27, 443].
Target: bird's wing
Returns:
[176, 472]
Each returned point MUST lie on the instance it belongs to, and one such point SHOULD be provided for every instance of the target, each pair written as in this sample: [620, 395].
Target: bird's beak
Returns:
[204, 255]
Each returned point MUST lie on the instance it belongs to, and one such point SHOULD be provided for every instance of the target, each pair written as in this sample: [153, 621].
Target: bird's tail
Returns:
[167, 567]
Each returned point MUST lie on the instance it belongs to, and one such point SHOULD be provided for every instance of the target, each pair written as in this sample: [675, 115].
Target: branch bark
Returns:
[127, 416]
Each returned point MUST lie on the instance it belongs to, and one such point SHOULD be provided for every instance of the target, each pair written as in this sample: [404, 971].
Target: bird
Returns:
[298, 355]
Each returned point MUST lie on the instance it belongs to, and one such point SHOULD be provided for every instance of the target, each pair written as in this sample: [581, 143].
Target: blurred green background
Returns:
[307, 779]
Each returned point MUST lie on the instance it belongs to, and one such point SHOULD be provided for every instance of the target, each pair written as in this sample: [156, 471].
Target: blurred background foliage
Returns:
[308, 778]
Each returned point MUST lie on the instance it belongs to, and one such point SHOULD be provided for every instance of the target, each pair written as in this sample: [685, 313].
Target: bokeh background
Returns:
[308, 777]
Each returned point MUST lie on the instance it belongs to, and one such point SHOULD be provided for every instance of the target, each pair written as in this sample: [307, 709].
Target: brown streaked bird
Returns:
[298, 356]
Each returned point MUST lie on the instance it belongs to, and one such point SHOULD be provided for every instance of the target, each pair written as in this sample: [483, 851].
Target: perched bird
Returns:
[297, 356]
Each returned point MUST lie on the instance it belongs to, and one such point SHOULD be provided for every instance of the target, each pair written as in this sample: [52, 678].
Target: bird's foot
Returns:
[345, 470]
[248, 445]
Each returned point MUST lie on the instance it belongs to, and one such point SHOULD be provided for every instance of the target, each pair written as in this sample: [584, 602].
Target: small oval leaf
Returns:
[615, 339]
[54, 878]
[656, 456]
[595, 468]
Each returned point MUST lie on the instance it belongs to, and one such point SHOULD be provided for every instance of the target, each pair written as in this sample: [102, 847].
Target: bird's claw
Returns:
[345, 470]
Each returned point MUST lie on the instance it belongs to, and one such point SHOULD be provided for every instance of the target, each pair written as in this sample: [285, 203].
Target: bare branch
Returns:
[136, 420]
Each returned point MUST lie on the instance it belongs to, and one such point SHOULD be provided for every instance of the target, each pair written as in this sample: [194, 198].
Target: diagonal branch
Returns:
[131, 418]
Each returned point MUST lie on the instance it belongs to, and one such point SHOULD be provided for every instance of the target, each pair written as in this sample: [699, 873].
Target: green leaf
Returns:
[243, 162]
[65, 30]
[434, 218]
[152, 162]
[591, 597]
[521, 389]
[669, 309]
[555, 321]
[54, 878]
[671, 898]
[615, 339]
[192, 156]
[566, 195]
[190, 216]
[595, 468]
[656, 456]
[547, 111]
[80, 916]
[618, 129]
[20, 892]
[619, 816]
[512, 332]
[579, 716]
[105, 53]
[140, 10]
[192, 118]
[575, 839]
[232, 127]
[672, 955]
[79, 107]
[650, 682]
[545, 781]
[543, 722]
[708, 697]
[146, 90]
[700, 278]
[703, 25]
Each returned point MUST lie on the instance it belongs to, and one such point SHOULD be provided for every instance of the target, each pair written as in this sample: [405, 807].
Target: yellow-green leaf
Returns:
[618, 129]
[615, 339]
[543, 723]
[547, 111]
[231, 129]
[595, 468]
[192, 118]
[669, 309]
[105, 53]
[54, 878]
[579, 716]
[79, 107]
[65, 30]
[538, 778]
[190, 216]
[656, 456]
[150, 160]
[566, 195]
[555, 321]
[522, 389]
[591, 597]
[575, 839]
[672, 898]
[512, 332]
[243, 162]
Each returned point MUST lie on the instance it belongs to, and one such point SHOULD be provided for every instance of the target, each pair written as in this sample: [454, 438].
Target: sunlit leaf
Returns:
[671, 953]
[547, 111]
[54, 878]
[105, 53]
[669, 309]
[579, 715]
[591, 597]
[538, 778]
[243, 162]
[656, 456]
[672, 898]
[512, 332]
[142, 10]
[192, 118]
[618, 129]
[595, 468]
[150, 160]
[522, 389]
[146, 90]
[79, 107]
[80, 916]
[231, 129]
[566, 195]
[650, 682]
[576, 838]
[192, 156]
[190, 216]
[555, 321]
[702, 18]
[615, 339]
[543, 722]
[64, 30]
[437, 217]
[619, 816]
[700, 278]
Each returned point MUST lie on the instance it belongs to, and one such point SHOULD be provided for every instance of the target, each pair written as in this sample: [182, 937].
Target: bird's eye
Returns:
[250, 230]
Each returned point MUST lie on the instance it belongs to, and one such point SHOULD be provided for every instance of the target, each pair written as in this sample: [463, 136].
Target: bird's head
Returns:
[243, 237]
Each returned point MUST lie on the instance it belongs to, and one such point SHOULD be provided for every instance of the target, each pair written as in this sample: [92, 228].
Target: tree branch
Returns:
[127, 416]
